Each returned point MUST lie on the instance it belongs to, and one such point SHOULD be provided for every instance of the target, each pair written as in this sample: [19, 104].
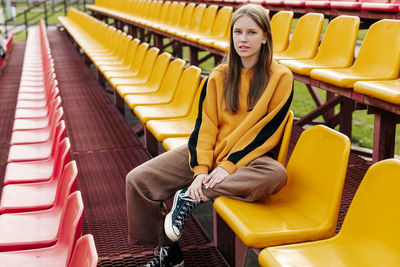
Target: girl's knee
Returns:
[133, 176]
[280, 176]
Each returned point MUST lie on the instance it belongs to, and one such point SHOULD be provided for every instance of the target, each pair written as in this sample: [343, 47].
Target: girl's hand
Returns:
[215, 177]
[195, 190]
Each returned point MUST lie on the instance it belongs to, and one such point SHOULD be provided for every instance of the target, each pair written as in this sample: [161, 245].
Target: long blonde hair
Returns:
[261, 69]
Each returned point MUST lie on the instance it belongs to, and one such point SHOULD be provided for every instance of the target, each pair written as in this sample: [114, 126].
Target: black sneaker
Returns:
[168, 256]
[181, 209]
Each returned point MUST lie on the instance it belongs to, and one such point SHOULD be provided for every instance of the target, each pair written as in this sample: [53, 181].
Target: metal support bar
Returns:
[346, 116]
[150, 142]
[307, 119]
[119, 102]
[384, 134]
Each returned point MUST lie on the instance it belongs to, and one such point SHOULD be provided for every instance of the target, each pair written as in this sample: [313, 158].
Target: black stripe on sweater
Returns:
[266, 132]
[192, 144]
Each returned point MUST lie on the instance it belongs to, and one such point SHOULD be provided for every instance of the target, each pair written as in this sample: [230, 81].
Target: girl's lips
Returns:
[243, 48]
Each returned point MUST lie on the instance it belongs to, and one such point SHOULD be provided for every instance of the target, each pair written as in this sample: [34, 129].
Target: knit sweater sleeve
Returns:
[266, 133]
[202, 140]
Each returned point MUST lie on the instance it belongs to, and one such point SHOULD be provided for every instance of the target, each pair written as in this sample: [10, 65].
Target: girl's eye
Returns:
[237, 32]
[252, 32]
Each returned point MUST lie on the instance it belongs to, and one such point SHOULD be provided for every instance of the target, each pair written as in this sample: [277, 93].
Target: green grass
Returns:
[363, 123]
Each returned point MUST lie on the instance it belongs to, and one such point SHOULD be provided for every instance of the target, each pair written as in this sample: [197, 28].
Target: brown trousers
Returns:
[157, 180]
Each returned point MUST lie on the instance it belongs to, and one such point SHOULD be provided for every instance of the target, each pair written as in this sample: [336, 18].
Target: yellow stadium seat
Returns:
[305, 38]
[369, 235]
[181, 102]
[176, 127]
[219, 28]
[223, 45]
[149, 18]
[176, 17]
[206, 24]
[145, 69]
[103, 46]
[336, 49]
[153, 84]
[166, 91]
[281, 24]
[168, 18]
[140, 54]
[124, 13]
[143, 12]
[128, 60]
[195, 21]
[174, 142]
[388, 91]
[307, 207]
[164, 9]
[377, 59]
[120, 54]
[184, 20]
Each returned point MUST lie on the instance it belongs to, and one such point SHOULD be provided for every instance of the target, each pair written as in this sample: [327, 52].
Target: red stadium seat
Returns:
[39, 151]
[38, 123]
[37, 229]
[383, 6]
[58, 254]
[85, 254]
[38, 196]
[39, 171]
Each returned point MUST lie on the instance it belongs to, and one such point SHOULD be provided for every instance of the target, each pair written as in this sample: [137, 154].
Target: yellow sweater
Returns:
[232, 140]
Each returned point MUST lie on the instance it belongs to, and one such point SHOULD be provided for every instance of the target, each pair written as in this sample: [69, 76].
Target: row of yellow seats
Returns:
[304, 54]
[332, 60]
[203, 24]
[159, 91]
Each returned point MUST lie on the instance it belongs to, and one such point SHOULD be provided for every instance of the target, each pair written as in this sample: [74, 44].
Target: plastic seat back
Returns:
[280, 27]
[186, 16]
[222, 22]
[373, 216]
[163, 12]
[62, 156]
[85, 254]
[67, 183]
[196, 18]
[208, 19]
[305, 39]
[379, 54]
[178, 14]
[171, 78]
[159, 69]
[170, 13]
[145, 12]
[339, 41]
[146, 67]
[316, 172]
[186, 89]
[139, 57]
[369, 234]
[71, 223]
[155, 13]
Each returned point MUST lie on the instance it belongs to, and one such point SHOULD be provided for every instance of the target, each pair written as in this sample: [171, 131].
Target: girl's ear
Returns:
[264, 40]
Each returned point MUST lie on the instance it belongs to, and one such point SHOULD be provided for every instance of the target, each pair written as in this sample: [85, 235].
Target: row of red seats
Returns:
[40, 209]
[377, 9]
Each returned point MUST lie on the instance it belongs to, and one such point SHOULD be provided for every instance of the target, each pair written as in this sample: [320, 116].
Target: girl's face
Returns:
[247, 39]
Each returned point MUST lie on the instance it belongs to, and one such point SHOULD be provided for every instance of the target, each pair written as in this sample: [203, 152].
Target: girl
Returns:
[243, 109]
